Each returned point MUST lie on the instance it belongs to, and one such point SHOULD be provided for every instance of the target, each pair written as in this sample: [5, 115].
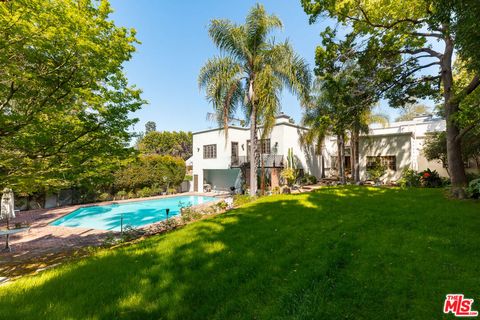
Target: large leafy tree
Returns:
[178, 144]
[397, 40]
[344, 95]
[250, 74]
[64, 99]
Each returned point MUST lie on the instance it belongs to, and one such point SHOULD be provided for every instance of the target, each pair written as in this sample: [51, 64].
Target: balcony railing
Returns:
[268, 161]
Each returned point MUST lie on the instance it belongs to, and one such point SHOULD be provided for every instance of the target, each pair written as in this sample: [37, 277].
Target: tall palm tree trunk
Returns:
[253, 152]
[253, 141]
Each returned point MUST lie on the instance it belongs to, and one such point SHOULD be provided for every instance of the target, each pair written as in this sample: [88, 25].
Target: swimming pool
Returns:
[135, 214]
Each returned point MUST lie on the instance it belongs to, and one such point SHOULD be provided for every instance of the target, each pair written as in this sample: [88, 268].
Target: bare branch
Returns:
[430, 51]
[426, 34]
[465, 130]
[472, 85]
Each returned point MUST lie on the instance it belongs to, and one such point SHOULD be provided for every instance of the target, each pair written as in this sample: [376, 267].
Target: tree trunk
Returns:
[454, 145]
[352, 153]
[355, 155]
[253, 143]
[341, 158]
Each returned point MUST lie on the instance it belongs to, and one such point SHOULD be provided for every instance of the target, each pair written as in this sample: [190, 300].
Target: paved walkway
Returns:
[42, 238]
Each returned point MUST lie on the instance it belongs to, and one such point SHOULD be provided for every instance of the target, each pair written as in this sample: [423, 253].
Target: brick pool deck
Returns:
[43, 239]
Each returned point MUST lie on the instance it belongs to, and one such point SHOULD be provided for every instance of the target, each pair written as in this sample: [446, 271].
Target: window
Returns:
[389, 162]
[263, 146]
[210, 151]
[234, 149]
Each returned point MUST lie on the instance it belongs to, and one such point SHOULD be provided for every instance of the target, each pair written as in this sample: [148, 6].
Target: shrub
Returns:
[473, 189]
[144, 192]
[151, 170]
[171, 191]
[105, 197]
[189, 214]
[472, 176]
[288, 175]
[221, 206]
[122, 194]
[276, 190]
[376, 171]
[131, 195]
[312, 179]
[410, 178]
[430, 179]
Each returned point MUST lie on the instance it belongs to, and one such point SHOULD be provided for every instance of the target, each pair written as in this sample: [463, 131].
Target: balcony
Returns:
[269, 161]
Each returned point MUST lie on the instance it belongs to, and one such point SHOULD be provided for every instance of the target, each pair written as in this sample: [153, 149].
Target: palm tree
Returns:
[325, 115]
[250, 74]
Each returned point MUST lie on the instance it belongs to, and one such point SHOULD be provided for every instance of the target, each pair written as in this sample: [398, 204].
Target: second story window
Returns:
[210, 151]
[263, 146]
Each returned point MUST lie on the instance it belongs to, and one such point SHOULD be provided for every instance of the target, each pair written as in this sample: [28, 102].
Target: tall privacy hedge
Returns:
[151, 170]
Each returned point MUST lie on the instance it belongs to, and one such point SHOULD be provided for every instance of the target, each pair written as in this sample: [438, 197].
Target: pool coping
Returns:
[218, 197]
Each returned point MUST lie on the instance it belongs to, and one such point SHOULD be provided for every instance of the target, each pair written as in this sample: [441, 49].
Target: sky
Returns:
[175, 45]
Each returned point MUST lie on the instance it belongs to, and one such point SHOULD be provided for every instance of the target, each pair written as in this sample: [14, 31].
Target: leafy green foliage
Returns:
[430, 179]
[410, 178]
[474, 189]
[151, 171]
[289, 176]
[150, 126]
[177, 144]
[65, 101]
[376, 171]
[435, 147]
[395, 43]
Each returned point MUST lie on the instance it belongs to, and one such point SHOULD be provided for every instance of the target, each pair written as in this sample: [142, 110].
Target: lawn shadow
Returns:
[283, 257]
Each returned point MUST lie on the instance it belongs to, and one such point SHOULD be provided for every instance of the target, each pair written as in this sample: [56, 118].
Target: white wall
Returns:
[284, 134]
[398, 145]
[223, 159]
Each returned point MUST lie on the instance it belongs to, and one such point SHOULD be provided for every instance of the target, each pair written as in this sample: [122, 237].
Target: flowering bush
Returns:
[430, 179]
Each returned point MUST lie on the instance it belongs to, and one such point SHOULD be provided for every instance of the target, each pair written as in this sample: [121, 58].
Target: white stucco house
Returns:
[218, 160]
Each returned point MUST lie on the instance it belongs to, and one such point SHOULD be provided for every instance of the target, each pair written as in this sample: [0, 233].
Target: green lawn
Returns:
[354, 252]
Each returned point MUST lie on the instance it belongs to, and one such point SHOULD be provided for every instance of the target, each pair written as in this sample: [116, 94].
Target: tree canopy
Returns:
[64, 99]
[399, 41]
[178, 144]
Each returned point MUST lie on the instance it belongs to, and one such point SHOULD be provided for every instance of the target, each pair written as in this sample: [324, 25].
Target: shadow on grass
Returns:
[337, 253]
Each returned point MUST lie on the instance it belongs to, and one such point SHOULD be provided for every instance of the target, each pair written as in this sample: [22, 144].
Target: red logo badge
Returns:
[459, 306]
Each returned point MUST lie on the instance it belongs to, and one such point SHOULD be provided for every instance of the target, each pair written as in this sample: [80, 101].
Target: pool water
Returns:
[134, 214]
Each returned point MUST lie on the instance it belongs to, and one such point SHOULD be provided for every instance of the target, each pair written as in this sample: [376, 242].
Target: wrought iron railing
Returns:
[267, 160]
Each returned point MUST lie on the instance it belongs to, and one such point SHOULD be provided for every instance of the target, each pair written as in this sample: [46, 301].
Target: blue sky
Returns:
[175, 45]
